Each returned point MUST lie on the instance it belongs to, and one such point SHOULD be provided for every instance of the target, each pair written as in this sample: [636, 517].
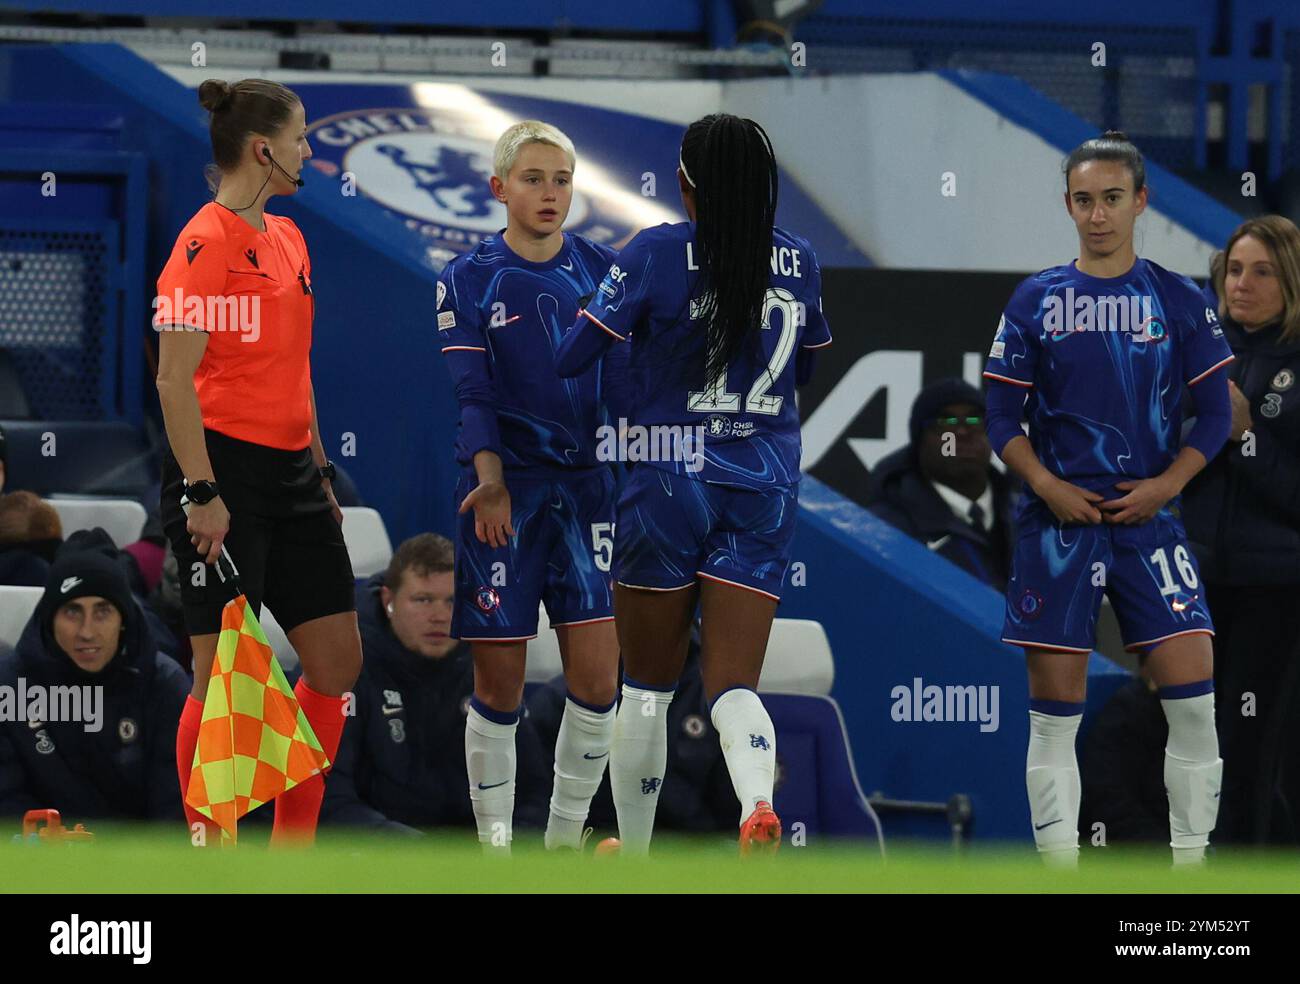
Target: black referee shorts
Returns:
[283, 537]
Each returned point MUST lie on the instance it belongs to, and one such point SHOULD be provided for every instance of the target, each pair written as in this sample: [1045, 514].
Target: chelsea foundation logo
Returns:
[431, 168]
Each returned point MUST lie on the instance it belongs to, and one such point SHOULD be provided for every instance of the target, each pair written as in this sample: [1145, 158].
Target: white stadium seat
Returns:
[122, 519]
[367, 540]
[798, 659]
[16, 607]
[284, 652]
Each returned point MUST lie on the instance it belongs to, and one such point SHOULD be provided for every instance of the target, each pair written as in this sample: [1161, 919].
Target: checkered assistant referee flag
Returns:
[254, 742]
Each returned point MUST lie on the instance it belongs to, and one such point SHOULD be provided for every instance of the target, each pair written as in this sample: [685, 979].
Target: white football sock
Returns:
[581, 754]
[637, 758]
[490, 762]
[1193, 773]
[1052, 780]
[748, 744]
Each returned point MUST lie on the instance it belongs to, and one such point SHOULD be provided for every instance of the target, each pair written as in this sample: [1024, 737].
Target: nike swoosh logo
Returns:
[594, 757]
[936, 544]
[68, 584]
[392, 710]
[494, 785]
[567, 266]
[1040, 826]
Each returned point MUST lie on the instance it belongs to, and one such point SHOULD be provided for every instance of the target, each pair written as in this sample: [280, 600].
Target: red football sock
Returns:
[297, 810]
[187, 739]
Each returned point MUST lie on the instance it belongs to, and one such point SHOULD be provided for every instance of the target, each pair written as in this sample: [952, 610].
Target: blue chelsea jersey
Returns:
[746, 418]
[500, 319]
[1105, 362]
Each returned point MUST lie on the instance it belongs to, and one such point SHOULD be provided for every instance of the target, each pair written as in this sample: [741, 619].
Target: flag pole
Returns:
[225, 566]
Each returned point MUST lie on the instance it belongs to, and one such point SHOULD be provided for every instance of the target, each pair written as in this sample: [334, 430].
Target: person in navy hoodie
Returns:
[116, 761]
[401, 765]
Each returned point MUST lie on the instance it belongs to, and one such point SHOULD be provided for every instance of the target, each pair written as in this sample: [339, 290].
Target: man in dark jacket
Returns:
[401, 764]
[697, 795]
[88, 636]
[942, 490]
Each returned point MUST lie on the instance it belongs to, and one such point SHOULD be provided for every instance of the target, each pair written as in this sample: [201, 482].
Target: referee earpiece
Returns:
[266, 155]
[390, 609]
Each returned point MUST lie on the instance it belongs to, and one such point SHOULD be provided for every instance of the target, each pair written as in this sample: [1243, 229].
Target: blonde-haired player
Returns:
[536, 504]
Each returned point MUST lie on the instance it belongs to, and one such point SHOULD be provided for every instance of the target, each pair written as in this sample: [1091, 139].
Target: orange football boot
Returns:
[761, 833]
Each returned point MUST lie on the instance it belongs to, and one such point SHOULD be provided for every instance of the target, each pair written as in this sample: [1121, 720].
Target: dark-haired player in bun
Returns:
[1096, 355]
[234, 314]
[721, 313]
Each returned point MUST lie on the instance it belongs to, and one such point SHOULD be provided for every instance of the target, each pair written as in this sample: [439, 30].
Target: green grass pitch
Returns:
[147, 860]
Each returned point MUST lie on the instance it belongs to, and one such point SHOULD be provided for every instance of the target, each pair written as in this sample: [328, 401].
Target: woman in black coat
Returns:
[1242, 514]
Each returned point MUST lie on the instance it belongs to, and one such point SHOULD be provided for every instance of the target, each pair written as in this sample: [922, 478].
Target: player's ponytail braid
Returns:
[729, 161]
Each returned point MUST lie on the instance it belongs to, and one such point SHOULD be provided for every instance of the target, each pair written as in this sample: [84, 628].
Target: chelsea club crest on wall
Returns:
[431, 170]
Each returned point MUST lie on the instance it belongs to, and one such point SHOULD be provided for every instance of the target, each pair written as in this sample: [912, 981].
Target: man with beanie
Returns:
[87, 633]
[942, 489]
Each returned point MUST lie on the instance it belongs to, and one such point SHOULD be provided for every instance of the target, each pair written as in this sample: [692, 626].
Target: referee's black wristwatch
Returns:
[327, 471]
[202, 492]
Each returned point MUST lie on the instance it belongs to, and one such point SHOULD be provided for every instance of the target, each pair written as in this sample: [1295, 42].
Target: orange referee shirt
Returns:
[251, 292]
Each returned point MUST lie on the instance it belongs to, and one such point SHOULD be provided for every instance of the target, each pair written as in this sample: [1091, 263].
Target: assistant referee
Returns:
[234, 315]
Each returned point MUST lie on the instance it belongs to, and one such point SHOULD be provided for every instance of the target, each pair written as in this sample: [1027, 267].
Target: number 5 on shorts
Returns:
[602, 545]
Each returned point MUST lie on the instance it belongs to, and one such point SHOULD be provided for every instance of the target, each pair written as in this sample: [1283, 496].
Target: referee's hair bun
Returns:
[215, 95]
[1119, 136]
